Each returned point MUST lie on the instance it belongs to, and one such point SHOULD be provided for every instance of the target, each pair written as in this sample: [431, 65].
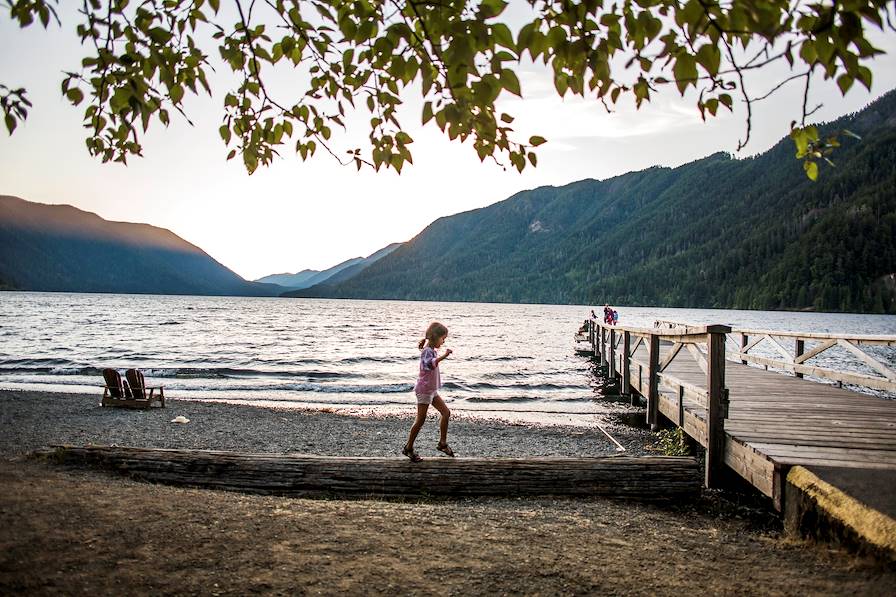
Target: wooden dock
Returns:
[756, 422]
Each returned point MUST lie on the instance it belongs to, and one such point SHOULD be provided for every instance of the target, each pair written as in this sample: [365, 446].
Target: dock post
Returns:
[799, 349]
[744, 340]
[653, 383]
[627, 367]
[591, 334]
[612, 352]
[717, 404]
[603, 346]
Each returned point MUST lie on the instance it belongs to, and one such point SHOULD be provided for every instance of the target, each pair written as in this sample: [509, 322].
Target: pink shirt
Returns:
[428, 381]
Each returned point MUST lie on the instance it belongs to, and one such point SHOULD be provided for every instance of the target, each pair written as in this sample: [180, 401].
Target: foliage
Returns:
[663, 237]
[458, 56]
[672, 442]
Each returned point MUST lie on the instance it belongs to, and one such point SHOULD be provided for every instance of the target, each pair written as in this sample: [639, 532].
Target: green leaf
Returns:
[685, 70]
[535, 141]
[176, 93]
[844, 82]
[811, 169]
[709, 58]
[160, 36]
[510, 82]
[75, 95]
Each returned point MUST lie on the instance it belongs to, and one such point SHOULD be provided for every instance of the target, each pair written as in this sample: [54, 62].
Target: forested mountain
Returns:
[296, 280]
[718, 232]
[62, 248]
[344, 271]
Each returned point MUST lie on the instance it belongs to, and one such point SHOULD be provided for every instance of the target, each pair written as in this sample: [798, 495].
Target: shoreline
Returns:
[37, 419]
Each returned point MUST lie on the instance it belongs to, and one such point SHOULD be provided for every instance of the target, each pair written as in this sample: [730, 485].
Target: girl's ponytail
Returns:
[435, 331]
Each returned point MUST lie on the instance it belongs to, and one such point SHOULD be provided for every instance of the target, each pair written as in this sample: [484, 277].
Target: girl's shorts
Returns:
[426, 398]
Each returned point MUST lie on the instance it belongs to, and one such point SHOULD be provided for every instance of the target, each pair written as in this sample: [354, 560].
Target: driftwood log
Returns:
[642, 478]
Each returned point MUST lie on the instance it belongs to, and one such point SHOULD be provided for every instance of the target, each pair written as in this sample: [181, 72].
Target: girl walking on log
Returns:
[427, 390]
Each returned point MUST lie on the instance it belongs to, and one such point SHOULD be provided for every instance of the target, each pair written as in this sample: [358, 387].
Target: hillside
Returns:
[296, 280]
[62, 248]
[342, 272]
[718, 232]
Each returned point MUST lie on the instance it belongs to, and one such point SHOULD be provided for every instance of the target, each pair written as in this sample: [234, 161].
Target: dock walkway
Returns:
[756, 422]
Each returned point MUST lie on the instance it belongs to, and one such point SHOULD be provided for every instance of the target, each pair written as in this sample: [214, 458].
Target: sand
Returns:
[69, 531]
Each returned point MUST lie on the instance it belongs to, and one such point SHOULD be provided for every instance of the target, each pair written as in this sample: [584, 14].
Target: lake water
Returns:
[513, 362]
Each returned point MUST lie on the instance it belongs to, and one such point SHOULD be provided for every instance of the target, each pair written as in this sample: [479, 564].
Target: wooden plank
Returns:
[817, 440]
[646, 477]
[851, 378]
[868, 359]
[776, 450]
[698, 357]
[777, 345]
[653, 381]
[676, 348]
[694, 426]
[880, 340]
[814, 351]
[755, 468]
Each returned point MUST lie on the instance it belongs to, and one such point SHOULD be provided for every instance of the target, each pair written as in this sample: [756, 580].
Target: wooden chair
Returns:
[131, 393]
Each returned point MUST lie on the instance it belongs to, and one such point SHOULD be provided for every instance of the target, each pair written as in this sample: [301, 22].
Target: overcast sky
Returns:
[296, 215]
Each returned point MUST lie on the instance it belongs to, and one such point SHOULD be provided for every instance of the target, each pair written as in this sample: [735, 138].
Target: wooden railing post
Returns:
[744, 340]
[612, 359]
[627, 367]
[653, 382]
[603, 345]
[717, 404]
[799, 349]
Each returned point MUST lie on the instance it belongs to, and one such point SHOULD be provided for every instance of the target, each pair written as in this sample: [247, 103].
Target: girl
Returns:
[427, 390]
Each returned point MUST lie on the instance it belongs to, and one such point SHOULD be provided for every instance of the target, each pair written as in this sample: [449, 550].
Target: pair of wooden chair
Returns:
[130, 393]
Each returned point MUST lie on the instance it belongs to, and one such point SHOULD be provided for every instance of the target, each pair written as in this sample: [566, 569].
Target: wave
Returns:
[377, 359]
[312, 387]
[179, 372]
[513, 399]
[484, 385]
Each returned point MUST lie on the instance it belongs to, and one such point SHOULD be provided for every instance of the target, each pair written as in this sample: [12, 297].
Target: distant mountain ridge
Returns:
[289, 280]
[718, 232]
[62, 248]
[339, 272]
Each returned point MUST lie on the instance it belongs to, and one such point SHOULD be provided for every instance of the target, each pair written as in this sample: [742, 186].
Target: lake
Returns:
[513, 362]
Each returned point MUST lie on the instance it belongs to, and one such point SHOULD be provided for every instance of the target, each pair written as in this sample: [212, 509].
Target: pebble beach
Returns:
[32, 420]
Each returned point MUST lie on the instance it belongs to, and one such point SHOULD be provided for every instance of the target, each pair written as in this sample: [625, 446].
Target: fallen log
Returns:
[642, 477]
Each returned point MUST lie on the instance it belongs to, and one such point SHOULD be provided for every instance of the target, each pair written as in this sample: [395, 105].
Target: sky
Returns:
[295, 215]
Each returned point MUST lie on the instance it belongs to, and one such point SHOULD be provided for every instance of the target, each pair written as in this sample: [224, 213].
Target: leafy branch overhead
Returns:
[142, 60]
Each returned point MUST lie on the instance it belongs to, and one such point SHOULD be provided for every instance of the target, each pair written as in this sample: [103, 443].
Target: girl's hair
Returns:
[435, 330]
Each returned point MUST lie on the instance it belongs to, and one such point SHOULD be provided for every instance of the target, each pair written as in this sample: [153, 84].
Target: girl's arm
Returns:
[444, 356]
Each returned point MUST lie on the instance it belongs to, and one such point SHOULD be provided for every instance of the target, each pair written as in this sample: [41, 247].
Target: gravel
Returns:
[32, 420]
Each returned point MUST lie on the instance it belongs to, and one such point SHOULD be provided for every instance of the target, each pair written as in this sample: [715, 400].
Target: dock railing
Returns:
[809, 346]
[616, 347]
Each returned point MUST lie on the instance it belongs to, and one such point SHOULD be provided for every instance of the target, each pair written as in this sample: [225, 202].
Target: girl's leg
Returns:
[445, 414]
[418, 423]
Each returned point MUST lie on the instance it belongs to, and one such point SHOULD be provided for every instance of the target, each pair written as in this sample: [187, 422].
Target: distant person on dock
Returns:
[615, 316]
[608, 314]
[593, 314]
[427, 390]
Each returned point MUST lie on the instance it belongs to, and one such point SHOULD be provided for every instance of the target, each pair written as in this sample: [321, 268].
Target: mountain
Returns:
[290, 280]
[718, 232]
[62, 248]
[346, 272]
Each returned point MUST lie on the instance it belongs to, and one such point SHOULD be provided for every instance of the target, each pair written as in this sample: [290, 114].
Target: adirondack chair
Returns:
[132, 393]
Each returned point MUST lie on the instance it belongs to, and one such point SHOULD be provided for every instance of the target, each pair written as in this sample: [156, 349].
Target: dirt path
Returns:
[74, 532]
